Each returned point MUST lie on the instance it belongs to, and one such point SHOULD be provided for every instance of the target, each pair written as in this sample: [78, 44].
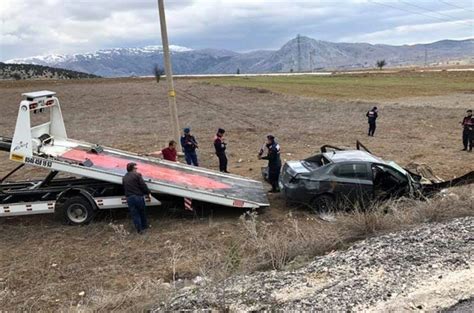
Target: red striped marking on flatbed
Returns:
[149, 171]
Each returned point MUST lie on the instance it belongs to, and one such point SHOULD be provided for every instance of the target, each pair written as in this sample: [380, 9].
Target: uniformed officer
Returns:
[468, 131]
[274, 161]
[189, 144]
[372, 118]
[220, 145]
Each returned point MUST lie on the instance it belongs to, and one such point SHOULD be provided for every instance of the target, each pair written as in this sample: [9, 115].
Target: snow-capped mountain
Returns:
[54, 59]
[299, 54]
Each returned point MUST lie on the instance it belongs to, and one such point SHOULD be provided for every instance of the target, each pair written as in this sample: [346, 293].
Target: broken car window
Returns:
[351, 171]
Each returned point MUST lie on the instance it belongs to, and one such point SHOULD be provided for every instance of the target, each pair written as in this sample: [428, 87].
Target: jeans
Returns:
[222, 162]
[191, 158]
[136, 207]
[372, 127]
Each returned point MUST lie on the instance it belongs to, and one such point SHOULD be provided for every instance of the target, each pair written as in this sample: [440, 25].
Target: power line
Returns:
[413, 12]
[455, 6]
[425, 9]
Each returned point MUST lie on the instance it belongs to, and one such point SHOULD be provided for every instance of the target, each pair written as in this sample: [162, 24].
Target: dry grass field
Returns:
[48, 266]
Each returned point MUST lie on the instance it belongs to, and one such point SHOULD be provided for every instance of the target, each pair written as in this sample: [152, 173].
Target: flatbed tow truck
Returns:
[98, 172]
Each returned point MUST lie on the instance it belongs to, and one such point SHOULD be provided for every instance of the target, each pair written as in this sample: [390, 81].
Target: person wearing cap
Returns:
[135, 190]
[189, 145]
[372, 118]
[220, 145]
[274, 161]
[468, 131]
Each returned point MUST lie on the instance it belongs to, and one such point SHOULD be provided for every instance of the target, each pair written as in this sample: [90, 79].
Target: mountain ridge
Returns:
[298, 54]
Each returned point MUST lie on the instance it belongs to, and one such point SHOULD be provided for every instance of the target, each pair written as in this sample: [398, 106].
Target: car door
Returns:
[352, 183]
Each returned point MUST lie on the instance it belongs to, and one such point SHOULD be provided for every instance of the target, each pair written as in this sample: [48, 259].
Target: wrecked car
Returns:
[338, 178]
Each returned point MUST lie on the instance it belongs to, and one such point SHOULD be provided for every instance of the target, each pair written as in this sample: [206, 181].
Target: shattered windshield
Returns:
[397, 167]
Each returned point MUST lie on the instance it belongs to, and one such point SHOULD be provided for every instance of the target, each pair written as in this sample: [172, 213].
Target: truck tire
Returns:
[77, 210]
[323, 204]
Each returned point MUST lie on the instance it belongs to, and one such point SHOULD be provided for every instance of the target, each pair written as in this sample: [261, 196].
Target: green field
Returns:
[370, 86]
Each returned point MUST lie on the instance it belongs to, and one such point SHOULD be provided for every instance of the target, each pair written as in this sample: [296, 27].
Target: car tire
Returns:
[77, 210]
[323, 204]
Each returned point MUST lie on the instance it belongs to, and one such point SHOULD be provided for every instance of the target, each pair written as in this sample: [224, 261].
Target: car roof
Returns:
[352, 155]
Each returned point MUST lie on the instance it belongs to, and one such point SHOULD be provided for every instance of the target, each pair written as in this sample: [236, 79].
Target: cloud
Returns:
[417, 33]
[34, 27]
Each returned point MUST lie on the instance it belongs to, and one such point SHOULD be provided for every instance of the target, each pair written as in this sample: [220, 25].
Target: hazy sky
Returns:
[36, 27]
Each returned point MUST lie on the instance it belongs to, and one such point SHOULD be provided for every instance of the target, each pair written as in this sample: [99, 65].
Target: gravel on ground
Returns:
[426, 268]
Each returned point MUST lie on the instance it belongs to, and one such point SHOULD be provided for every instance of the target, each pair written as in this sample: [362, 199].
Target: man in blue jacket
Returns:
[189, 144]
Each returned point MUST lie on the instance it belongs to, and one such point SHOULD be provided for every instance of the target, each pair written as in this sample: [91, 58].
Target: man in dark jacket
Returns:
[135, 190]
[468, 131]
[220, 145]
[189, 144]
[274, 162]
[372, 118]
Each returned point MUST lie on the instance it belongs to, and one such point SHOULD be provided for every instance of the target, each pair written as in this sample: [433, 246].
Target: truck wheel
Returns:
[323, 204]
[77, 211]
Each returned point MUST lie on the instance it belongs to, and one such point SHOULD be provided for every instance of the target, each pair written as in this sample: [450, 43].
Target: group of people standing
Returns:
[136, 189]
[189, 145]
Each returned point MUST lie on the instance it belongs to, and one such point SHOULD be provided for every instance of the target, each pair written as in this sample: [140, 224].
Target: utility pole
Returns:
[426, 56]
[312, 54]
[298, 41]
[169, 73]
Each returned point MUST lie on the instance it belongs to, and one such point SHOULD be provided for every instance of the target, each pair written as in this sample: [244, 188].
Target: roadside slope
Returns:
[400, 271]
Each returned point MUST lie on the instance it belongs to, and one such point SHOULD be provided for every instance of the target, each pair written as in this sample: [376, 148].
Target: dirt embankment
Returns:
[427, 268]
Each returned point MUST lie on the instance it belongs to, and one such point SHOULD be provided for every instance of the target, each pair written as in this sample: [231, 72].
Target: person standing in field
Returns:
[372, 120]
[274, 161]
[189, 145]
[220, 145]
[135, 191]
[468, 131]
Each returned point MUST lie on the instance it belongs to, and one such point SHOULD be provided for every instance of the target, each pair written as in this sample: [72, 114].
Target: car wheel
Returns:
[323, 204]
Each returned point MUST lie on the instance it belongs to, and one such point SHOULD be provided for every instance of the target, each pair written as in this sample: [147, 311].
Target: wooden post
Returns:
[169, 73]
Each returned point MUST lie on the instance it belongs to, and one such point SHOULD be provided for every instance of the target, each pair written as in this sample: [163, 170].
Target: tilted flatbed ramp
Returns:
[47, 146]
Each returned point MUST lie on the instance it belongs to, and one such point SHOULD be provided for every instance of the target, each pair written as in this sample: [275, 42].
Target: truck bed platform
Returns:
[173, 178]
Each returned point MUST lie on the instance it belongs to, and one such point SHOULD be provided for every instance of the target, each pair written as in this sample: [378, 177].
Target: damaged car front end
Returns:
[337, 178]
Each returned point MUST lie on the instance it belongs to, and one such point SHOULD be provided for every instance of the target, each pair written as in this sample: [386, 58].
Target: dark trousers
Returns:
[372, 127]
[136, 207]
[191, 158]
[222, 162]
[273, 176]
[467, 138]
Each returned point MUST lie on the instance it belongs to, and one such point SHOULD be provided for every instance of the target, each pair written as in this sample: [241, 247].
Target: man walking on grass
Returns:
[468, 131]
[372, 118]
[135, 191]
